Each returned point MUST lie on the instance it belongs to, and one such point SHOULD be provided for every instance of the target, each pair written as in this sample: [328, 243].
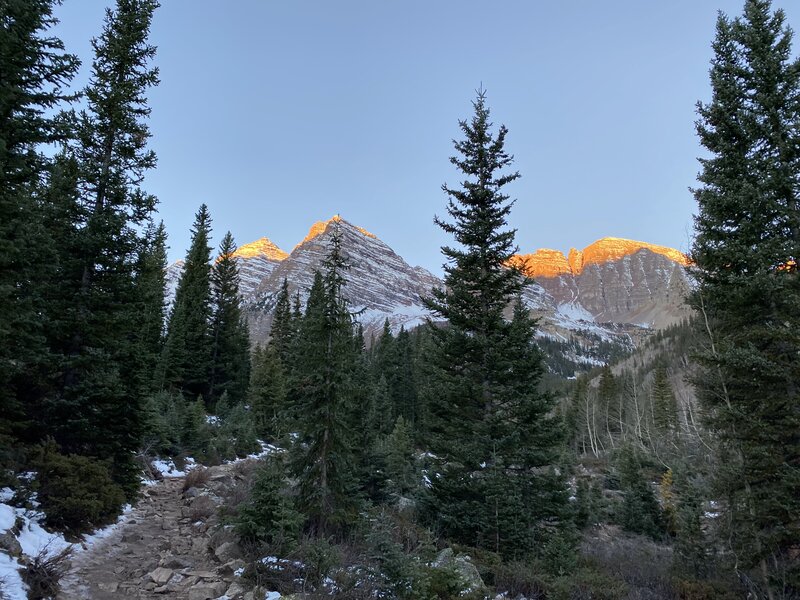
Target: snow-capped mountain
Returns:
[614, 290]
[380, 284]
[256, 261]
[613, 280]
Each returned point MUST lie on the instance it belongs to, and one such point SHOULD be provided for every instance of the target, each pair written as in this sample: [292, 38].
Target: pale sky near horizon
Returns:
[280, 114]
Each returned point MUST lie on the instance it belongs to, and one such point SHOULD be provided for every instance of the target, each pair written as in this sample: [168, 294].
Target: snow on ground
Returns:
[407, 316]
[10, 580]
[168, 469]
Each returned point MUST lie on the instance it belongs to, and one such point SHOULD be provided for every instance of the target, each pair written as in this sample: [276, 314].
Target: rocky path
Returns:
[171, 545]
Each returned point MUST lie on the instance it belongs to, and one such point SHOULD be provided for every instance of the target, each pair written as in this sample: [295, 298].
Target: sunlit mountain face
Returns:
[612, 294]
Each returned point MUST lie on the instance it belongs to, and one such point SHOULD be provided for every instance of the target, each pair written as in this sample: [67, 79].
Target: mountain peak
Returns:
[552, 263]
[261, 247]
[321, 227]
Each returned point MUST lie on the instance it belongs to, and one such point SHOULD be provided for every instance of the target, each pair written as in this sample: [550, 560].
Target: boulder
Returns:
[467, 572]
[227, 552]
[235, 591]
[207, 591]
[160, 575]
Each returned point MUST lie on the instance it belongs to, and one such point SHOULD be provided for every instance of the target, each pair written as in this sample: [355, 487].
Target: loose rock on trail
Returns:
[171, 545]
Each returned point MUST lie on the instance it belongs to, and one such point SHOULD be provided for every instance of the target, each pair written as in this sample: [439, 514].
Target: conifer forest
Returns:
[472, 454]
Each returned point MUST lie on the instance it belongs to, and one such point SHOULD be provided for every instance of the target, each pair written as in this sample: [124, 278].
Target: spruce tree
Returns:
[490, 423]
[98, 405]
[188, 348]
[323, 393]
[35, 69]
[230, 350]
[151, 285]
[745, 262]
[267, 394]
[665, 409]
[282, 332]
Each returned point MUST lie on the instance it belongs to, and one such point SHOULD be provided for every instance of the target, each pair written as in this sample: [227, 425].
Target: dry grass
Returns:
[44, 572]
[196, 478]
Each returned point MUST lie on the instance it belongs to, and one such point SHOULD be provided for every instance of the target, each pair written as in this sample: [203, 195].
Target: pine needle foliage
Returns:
[490, 425]
[745, 261]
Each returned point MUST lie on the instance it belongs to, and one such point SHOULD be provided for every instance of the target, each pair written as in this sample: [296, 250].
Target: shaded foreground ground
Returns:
[170, 546]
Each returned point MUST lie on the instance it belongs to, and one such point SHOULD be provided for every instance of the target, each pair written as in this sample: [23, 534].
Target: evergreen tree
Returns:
[269, 515]
[405, 394]
[691, 553]
[267, 394]
[665, 410]
[640, 512]
[400, 464]
[34, 70]
[230, 354]
[323, 392]
[98, 404]
[745, 255]
[188, 348]
[490, 424]
[610, 403]
[282, 331]
[151, 284]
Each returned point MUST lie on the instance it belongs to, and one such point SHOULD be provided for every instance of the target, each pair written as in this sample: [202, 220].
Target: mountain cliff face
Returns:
[256, 261]
[380, 283]
[613, 293]
[614, 280]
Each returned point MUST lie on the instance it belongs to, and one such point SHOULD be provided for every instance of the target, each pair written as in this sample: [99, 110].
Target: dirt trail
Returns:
[169, 546]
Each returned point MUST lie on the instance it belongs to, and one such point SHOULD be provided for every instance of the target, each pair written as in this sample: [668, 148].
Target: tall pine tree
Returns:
[491, 424]
[323, 390]
[745, 253]
[186, 360]
[34, 70]
[230, 350]
[98, 403]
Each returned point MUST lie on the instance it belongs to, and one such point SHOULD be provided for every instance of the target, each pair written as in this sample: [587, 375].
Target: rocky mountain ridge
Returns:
[614, 290]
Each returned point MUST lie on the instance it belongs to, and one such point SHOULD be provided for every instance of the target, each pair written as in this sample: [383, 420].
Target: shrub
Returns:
[76, 493]
[320, 558]
[269, 515]
[43, 573]
[196, 478]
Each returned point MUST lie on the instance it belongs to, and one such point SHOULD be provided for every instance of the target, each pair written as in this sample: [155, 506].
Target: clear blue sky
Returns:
[279, 114]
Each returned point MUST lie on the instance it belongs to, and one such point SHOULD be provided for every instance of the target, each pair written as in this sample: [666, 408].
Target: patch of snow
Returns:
[35, 539]
[272, 596]
[7, 517]
[101, 534]
[574, 312]
[213, 420]
[11, 585]
[168, 469]
[6, 494]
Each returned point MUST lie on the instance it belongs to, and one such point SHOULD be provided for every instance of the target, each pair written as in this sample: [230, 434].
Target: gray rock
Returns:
[227, 552]
[192, 492]
[235, 591]
[10, 544]
[176, 562]
[207, 591]
[468, 573]
[160, 575]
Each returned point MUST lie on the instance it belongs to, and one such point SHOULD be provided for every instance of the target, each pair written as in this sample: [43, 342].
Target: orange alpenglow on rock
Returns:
[261, 247]
[319, 228]
[552, 263]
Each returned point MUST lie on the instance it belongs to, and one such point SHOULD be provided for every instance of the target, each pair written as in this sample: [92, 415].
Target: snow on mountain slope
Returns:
[614, 291]
[380, 283]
